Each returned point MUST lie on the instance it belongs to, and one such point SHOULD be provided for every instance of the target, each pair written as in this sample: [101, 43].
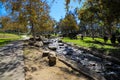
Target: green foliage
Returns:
[103, 12]
[34, 13]
[68, 23]
[88, 42]
[8, 36]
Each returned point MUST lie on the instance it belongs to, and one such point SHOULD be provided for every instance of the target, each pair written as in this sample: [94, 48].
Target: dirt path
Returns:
[37, 68]
[33, 66]
[11, 62]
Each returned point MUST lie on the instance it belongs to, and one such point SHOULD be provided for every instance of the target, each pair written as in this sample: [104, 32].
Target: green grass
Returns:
[97, 44]
[5, 38]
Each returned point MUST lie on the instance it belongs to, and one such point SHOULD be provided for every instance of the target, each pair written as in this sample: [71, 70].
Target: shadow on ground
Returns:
[100, 43]
[108, 51]
[11, 61]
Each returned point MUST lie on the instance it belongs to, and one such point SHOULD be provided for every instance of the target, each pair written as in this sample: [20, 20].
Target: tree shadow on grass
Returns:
[108, 51]
[114, 52]
[102, 44]
[5, 42]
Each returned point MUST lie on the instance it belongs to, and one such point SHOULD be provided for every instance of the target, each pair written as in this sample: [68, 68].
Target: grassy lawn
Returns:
[97, 44]
[5, 38]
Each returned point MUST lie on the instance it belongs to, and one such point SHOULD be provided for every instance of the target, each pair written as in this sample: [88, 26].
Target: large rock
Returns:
[61, 44]
[38, 44]
[46, 42]
[52, 47]
[52, 58]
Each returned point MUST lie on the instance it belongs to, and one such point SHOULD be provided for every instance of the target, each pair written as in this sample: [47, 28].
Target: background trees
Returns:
[68, 25]
[96, 16]
[104, 13]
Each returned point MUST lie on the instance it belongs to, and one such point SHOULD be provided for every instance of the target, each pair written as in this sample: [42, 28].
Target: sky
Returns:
[57, 10]
[2, 10]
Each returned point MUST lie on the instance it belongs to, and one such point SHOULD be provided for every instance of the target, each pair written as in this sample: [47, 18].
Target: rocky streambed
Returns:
[103, 67]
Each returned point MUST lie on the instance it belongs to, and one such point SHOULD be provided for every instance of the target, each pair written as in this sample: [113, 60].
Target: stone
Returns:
[52, 53]
[52, 47]
[33, 69]
[52, 58]
[45, 53]
[31, 39]
[38, 39]
[26, 69]
[61, 44]
[46, 42]
[39, 44]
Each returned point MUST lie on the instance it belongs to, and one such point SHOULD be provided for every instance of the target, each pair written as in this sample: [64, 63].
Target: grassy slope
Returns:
[6, 38]
[97, 44]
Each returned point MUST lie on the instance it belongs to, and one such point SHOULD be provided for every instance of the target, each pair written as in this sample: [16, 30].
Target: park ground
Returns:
[96, 44]
[36, 67]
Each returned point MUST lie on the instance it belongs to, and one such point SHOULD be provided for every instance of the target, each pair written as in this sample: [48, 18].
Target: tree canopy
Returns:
[103, 12]
[69, 23]
[34, 13]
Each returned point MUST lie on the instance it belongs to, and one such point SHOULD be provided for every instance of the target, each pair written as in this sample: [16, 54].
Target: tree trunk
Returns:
[33, 32]
[92, 31]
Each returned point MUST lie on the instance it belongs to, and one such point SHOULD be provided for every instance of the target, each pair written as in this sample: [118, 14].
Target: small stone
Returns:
[45, 53]
[33, 69]
[38, 39]
[39, 44]
[26, 69]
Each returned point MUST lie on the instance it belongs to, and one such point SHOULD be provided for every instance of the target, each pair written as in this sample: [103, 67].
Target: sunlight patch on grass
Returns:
[8, 36]
[5, 38]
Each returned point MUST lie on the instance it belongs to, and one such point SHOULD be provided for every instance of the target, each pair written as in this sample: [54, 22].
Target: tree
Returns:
[4, 21]
[9, 25]
[68, 24]
[106, 12]
[87, 18]
[29, 12]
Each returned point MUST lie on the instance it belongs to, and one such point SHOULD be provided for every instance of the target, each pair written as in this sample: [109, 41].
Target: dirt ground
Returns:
[37, 68]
